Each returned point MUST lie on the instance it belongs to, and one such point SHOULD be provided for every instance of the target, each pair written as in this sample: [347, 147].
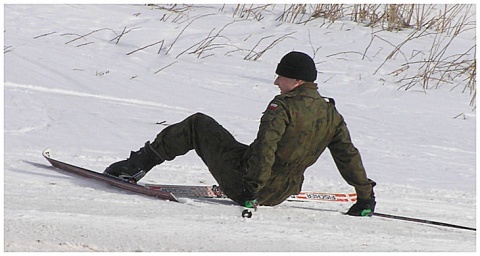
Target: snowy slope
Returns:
[69, 85]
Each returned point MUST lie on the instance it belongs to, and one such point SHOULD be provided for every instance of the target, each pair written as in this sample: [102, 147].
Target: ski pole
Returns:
[443, 224]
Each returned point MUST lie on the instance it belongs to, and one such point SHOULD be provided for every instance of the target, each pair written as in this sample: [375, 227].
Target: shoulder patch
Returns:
[273, 106]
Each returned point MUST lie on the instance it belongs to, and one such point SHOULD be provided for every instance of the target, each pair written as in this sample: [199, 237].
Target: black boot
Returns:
[137, 165]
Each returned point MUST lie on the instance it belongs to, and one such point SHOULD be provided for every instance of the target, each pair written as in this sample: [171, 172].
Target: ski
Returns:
[322, 196]
[117, 182]
[215, 191]
[424, 221]
[168, 192]
[189, 190]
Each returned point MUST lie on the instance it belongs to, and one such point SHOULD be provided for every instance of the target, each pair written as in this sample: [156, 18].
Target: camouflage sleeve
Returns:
[272, 127]
[349, 162]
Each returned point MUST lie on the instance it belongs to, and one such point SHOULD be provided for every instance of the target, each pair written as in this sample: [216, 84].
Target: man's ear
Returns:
[299, 82]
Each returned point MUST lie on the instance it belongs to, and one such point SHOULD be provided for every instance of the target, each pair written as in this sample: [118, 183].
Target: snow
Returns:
[81, 94]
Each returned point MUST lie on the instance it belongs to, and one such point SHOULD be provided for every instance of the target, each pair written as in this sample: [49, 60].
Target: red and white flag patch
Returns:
[272, 106]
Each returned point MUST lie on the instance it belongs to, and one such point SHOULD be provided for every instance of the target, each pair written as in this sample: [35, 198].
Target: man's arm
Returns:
[349, 163]
[272, 127]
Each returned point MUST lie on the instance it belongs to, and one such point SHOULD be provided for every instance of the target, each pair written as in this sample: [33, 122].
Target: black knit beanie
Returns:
[297, 65]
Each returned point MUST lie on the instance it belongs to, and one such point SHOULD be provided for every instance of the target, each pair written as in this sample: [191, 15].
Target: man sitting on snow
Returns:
[295, 129]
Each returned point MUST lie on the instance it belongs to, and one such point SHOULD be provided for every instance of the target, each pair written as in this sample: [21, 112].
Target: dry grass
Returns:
[444, 22]
[427, 69]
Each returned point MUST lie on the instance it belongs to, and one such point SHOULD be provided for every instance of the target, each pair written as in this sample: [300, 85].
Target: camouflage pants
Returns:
[221, 153]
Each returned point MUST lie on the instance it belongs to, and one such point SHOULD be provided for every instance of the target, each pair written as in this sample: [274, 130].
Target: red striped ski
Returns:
[108, 179]
[214, 191]
[321, 196]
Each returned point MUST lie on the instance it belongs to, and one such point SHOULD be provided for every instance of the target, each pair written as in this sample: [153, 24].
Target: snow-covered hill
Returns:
[73, 85]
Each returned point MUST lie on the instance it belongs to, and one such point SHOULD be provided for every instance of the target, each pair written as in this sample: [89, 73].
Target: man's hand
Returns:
[363, 207]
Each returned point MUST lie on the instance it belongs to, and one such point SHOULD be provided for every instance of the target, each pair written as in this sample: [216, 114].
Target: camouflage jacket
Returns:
[294, 131]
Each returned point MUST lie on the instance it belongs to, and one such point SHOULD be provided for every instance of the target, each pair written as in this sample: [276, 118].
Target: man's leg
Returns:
[214, 145]
[137, 165]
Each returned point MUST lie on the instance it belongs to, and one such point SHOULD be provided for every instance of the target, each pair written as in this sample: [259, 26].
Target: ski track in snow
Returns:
[114, 100]
[92, 104]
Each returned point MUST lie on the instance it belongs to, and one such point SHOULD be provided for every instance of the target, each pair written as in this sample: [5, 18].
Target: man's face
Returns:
[286, 84]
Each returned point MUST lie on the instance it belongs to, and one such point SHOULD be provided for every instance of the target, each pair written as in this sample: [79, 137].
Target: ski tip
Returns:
[46, 152]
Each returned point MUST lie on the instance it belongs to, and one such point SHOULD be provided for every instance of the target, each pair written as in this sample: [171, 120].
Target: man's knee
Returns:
[200, 117]
[202, 120]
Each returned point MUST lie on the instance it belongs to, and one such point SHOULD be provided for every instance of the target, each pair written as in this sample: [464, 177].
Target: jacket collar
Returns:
[308, 89]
